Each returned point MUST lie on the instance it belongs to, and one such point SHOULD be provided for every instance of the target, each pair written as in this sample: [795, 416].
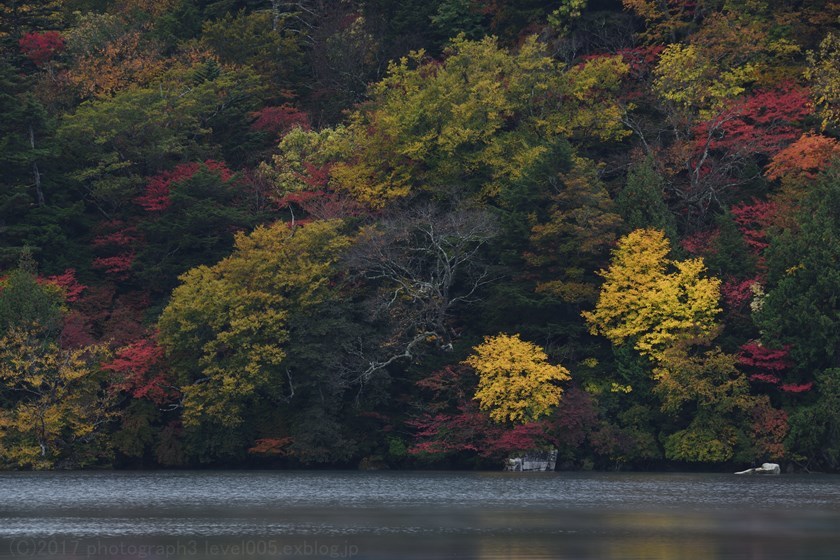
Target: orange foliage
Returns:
[803, 159]
[271, 446]
[769, 428]
[121, 63]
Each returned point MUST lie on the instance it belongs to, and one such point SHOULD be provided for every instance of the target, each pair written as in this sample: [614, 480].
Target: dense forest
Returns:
[419, 233]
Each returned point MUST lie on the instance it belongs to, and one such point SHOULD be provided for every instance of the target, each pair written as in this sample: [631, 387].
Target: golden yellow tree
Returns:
[226, 327]
[100, 68]
[55, 407]
[651, 300]
[515, 381]
[823, 72]
[688, 78]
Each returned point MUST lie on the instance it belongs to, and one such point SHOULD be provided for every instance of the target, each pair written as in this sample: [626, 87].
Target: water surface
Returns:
[418, 515]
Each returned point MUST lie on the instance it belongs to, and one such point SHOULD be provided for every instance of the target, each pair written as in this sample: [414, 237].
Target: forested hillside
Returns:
[419, 233]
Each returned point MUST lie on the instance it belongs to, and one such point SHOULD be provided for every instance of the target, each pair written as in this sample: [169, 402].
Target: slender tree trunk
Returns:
[275, 12]
[38, 190]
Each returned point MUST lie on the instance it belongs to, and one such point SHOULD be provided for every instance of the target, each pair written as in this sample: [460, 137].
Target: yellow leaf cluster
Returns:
[652, 300]
[646, 9]
[300, 147]
[667, 309]
[823, 72]
[55, 405]
[687, 77]
[516, 382]
[225, 328]
[484, 115]
[709, 378]
[708, 444]
[593, 111]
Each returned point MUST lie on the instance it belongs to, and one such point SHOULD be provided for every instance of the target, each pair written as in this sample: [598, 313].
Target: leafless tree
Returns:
[424, 262]
[700, 173]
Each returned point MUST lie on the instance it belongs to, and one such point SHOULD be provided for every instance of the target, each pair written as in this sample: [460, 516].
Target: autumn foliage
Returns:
[278, 234]
[279, 119]
[40, 48]
[142, 372]
[762, 124]
[156, 196]
[652, 301]
[803, 159]
[515, 381]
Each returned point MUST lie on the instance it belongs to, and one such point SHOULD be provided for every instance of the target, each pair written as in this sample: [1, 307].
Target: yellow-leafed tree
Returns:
[227, 326]
[705, 386]
[651, 300]
[823, 72]
[55, 407]
[482, 119]
[515, 381]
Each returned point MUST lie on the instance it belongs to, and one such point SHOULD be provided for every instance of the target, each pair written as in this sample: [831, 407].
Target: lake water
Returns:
[418, 515]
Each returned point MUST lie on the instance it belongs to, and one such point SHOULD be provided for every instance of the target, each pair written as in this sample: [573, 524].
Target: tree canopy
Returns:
[275, 234]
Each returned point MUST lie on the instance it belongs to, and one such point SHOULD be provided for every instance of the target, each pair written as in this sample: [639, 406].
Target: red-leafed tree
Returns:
[760, 124]
[763, 364]
[641, 59]
[116, 242]
[468, 430]
[453, 423]
[737, 292]
[769, 428]
[157, 194]
[140, 371]
[68, 283]
[753, 219]
[118, 265]
[271, 447]
[699, 242]
[41, 47]
[770, 366]
[279, 119]
[723, 149]
[123, 238]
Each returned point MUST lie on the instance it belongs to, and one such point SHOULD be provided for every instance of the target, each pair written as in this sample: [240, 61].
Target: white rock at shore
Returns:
[765, 468]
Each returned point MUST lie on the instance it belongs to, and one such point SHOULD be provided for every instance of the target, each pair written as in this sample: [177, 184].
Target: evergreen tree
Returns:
[26, 303]
[195, 224]
[641, 201]
[730, 256]
[801, 307]
[34, 210]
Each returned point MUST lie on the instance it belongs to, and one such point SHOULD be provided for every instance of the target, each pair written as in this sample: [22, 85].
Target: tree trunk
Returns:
[38, 190]
[275, 13]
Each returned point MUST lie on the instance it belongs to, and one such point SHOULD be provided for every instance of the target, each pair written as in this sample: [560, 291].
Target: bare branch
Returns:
[423, 263]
